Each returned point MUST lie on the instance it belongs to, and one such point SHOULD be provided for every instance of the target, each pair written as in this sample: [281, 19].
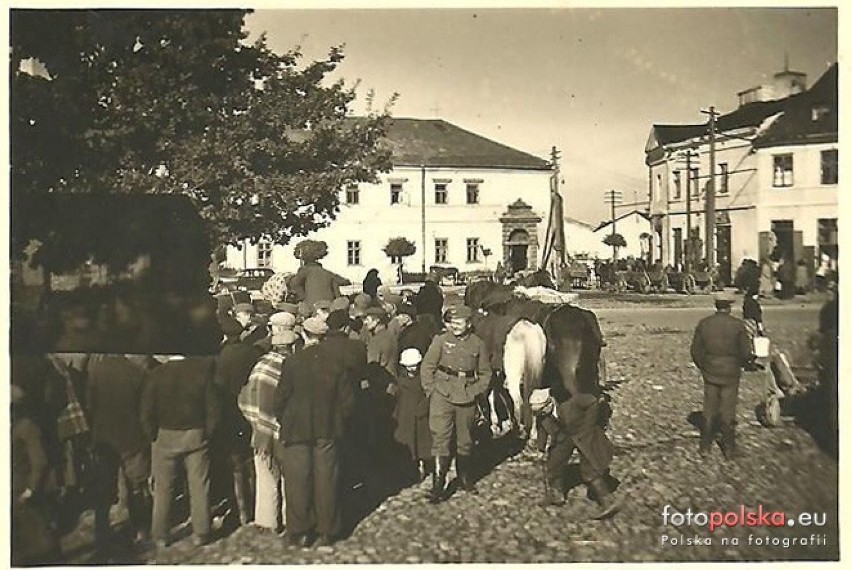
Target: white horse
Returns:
[523, 363]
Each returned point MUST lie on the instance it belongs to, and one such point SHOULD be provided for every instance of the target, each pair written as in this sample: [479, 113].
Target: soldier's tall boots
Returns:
[463, 465]
[609, 503]
[439, 479]
[728, 442]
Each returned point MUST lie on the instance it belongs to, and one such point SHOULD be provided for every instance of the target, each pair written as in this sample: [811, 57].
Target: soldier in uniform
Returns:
[721, 347]
[455, 370]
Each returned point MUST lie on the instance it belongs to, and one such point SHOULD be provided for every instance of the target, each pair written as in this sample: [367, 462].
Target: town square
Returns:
[424, 285]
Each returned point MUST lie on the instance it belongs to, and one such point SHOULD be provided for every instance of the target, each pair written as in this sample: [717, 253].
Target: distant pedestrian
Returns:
[256, 402]
[180, 412]
[313, 401]
[455, 370]
[721, 347]
[802, 278]
[767, 279]
[115, 390]
[412, 414]
[752, 312]
[371, 283]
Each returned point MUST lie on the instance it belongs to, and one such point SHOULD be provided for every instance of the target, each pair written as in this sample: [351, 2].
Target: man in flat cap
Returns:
[313, 402]
[455, 370]
[721, 347]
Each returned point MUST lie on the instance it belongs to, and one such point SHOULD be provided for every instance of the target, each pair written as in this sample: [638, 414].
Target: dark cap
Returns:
[337, 320]
[459, 312]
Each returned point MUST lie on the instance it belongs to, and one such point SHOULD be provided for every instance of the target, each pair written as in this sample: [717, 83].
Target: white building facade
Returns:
[470, 209]
[776, 179]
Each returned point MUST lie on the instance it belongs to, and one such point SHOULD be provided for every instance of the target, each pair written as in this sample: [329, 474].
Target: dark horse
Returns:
[546, 346]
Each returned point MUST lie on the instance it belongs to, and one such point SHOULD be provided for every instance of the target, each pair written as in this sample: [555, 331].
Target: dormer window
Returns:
[819, 111]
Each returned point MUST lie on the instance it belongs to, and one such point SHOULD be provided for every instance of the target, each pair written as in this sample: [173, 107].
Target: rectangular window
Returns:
[352, 195]
[828, 166]
[353, 252]
[472, 193]
[693, 183]
[723, 178]
[677, 184]
[782, 170]
[395, 193]
[264, 254]
[441, 250]
[819, 111]
[440, 193]
[472, 250]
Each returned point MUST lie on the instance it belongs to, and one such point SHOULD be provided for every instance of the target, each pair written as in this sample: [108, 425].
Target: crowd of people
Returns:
[299, 412]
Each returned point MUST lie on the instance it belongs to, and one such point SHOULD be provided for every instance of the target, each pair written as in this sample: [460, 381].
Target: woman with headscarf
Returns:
[372, 282]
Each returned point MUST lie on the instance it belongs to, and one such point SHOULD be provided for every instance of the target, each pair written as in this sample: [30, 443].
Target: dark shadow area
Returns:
[811, 411]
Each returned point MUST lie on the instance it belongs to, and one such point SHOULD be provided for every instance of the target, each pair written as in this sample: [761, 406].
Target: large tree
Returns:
[175, 102]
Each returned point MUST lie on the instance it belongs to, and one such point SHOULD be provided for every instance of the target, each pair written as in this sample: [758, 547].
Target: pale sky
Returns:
[589, 81]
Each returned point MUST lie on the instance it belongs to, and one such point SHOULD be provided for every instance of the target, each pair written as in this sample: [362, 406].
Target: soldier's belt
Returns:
[458, 373]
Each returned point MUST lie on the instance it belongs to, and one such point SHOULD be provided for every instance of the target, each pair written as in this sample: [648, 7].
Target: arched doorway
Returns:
[520, 236]
[519, 244]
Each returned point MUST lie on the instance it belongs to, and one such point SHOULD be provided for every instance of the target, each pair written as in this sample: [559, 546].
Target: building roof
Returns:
[602, 225]
[750, 115]
[794, 125]
[576, 222]
[435, 142]
[798, 124]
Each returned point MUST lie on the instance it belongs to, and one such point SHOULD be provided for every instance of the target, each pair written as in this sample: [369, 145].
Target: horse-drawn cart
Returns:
[579, 276]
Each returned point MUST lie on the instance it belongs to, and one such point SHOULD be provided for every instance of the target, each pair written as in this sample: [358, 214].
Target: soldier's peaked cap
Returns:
[459, 312]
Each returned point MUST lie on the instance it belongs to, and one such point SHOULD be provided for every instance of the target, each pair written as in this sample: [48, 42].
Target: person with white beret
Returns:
[412, 414]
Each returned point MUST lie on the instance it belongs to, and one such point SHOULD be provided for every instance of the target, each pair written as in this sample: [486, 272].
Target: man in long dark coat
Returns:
[313, 402]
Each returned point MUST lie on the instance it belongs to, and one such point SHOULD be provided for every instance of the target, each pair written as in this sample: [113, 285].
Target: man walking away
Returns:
[312, 403]
[721, 347]
[180, 411]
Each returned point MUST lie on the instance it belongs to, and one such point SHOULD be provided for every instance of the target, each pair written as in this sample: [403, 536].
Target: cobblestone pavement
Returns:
[654, 389]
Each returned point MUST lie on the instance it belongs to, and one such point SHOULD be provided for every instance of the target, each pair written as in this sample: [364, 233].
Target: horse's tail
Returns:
[523, 358]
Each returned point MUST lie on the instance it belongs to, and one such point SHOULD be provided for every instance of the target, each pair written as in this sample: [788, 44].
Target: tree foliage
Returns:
[615, 240]
[175, 102]
[400, 247]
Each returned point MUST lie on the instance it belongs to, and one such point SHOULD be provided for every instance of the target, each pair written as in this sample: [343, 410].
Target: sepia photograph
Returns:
[423, 284]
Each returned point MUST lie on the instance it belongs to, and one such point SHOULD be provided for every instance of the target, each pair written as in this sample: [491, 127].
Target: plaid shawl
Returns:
[256, 400]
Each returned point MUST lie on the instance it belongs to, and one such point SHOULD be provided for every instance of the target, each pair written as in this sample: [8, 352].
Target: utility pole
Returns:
[423, 218]
[689, 155]
[710, 196]
[613, 197]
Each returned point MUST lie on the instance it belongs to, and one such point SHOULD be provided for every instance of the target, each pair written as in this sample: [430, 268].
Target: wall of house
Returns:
[374, 220]
[804, 202]
[582, 239]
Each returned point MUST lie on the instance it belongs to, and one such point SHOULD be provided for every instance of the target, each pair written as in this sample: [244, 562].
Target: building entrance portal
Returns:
[520, 237]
